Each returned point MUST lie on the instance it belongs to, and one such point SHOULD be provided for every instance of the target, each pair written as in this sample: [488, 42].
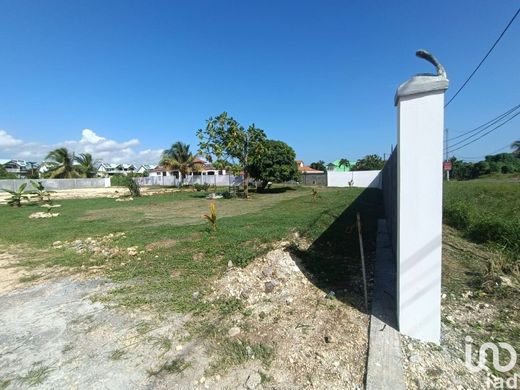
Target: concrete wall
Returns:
[57, 184]
[357, 178]
[314, 179]
[219, 180]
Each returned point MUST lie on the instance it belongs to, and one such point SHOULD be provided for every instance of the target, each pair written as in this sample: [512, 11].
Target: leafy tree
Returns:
[65, 168]
[369, 163]
[228, 141]
[516, 145]
[320, 165]
[344, 163]
[179, 157]
[6, 175]
[87, 165]
[274, 163]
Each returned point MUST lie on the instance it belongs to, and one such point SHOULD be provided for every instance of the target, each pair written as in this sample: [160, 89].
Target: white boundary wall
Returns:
[56, 184]
[219, 180]
[362, 179]
[420, 118]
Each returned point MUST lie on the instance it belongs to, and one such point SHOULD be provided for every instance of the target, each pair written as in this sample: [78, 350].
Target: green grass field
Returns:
[486, 212]
[180, 253]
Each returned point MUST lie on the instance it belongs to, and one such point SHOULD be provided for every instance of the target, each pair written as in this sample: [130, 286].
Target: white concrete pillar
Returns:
[420, 106]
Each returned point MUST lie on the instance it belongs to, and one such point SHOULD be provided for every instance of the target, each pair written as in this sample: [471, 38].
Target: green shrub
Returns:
[201, 187]
[128, 182]
[457, 215]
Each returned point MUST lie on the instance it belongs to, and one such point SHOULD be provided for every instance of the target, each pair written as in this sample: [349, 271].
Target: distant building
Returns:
[146, 168]
[198, 167]
[106, 169]
[304, 169]
[20, 168]
[335, 167]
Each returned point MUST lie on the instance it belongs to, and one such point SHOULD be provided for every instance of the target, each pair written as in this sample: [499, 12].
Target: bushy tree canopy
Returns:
[369, 163]
[319, 165]
[275, 163]
[228, 142]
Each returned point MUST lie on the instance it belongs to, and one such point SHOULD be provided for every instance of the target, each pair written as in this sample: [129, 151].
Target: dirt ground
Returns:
[276, 330]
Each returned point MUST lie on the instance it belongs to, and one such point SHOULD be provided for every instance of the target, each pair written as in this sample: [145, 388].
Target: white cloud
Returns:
[7, 140]
[100, 147]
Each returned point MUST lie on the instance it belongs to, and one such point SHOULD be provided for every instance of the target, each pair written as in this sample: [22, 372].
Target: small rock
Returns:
[234, 331]
[328, 339]
[288, 301]
[202, 380]
[335, 364]
[414, 358]
[195, 295]
[56, 243]
[253, 381]
[178, 348]
[270, 286]
[331, 295]
[443, 296]
[245, 294]
[505, 281]
[230, 264]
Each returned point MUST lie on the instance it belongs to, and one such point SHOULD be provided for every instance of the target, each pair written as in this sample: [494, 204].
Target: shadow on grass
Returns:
[275, 190]
[333, 262]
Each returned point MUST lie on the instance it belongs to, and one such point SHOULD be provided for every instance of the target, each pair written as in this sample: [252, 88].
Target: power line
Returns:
[483, 59]
[491, 122]
[508, 146]
[494, 122]
[483, 135]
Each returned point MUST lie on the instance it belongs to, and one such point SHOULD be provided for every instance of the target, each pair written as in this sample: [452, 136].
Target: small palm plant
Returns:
[17, 196]
[40, 192]
[212, 216]
[315, 195]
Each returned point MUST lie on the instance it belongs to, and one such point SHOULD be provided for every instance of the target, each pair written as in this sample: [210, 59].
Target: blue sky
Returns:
[319, 75]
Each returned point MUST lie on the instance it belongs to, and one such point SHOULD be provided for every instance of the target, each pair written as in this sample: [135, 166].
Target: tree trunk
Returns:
[246, 184]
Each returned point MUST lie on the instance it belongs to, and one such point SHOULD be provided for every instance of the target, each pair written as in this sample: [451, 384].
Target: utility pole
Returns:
[446, 152]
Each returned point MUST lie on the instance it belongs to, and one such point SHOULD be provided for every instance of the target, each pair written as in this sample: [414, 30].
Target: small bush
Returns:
[227, 195]
[128, 182]
[201, 187]
[212, 216]
[457, 215]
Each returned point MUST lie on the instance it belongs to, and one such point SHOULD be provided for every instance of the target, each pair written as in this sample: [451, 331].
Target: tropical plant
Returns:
[17, 196]
[212, 216]
[315, 194]
[275, 163]
[65, 168]
[179, 157]
[87, 165]
[225, 139]
[41, 193]
[344, 163]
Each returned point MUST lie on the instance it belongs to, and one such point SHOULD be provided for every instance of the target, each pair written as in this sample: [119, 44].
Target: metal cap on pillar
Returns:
[420, 102]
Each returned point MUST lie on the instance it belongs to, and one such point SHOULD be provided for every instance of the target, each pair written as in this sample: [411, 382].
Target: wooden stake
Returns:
[361, 250]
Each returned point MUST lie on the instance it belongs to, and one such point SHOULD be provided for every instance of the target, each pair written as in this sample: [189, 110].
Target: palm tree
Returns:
[344, 163]
[516, 145]
[178, 157]
[87, 165]
[65, 168]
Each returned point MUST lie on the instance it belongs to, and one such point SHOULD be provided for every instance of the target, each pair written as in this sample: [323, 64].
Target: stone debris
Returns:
[253, 381]
[234, 331]
[99, 246]
[41, 214]
[124, 199]
[50, 206]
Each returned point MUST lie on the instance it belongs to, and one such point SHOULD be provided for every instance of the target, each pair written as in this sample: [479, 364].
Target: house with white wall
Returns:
[106, 169]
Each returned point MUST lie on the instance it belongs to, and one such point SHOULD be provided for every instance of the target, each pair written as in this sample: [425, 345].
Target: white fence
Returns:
[56, 184]
[362, 179]
[218, 180]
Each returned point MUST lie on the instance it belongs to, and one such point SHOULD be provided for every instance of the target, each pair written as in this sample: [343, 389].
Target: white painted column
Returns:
[420, 103]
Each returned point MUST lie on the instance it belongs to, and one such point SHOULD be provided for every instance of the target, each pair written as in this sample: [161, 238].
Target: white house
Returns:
[146, 168]
[21, 168]
[106, 169]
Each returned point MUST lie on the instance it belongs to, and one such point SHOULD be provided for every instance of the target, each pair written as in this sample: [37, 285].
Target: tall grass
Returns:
[488, 213]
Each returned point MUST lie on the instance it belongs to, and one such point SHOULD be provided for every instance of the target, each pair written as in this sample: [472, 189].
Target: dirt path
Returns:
[285, 334]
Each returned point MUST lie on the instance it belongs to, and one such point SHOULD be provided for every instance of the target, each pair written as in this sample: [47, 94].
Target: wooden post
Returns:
[362, 251]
